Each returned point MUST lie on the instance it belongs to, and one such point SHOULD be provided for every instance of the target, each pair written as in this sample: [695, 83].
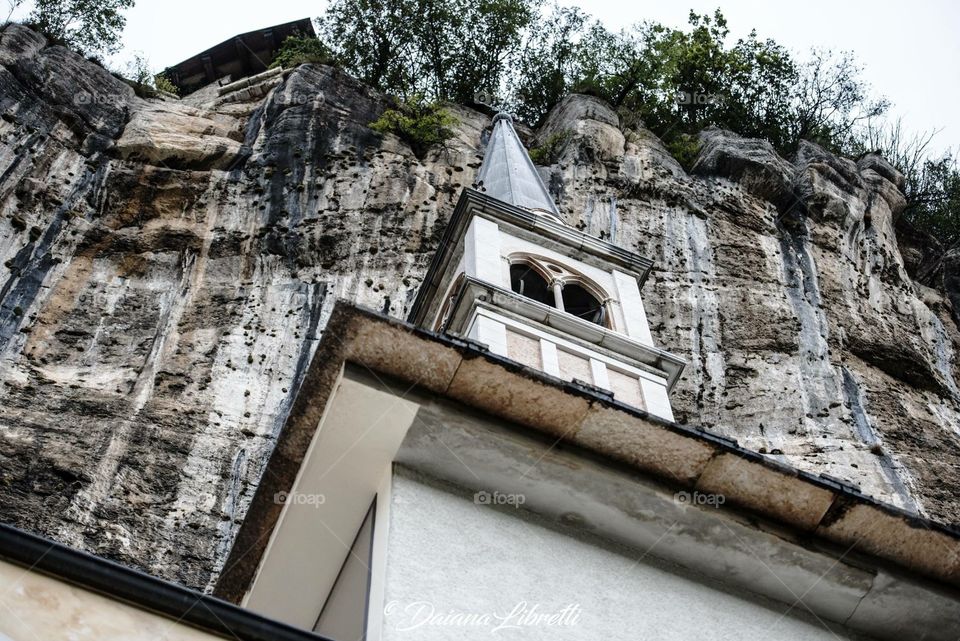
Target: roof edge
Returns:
[141, 590]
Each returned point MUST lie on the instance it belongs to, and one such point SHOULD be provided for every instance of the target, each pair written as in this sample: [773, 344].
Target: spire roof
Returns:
[508, 174]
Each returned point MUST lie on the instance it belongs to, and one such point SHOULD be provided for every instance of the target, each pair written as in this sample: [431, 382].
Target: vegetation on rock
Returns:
[443, 49]
[549, 152]
[419, 123]
[298, 50]
[145, 83]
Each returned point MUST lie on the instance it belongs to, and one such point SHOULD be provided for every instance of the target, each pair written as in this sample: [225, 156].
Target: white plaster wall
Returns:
[460, 560]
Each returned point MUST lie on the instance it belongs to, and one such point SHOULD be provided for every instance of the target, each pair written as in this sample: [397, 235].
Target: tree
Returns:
[487, 43]
[438, 49]
[676, 82]
[374, 41]
[12, 6]
[832, 101]
[147, 84]
[89, 26]
[548, 62]
[298, 50]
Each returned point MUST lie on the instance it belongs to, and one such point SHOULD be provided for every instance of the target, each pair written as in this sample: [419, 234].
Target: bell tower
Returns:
[511, 275]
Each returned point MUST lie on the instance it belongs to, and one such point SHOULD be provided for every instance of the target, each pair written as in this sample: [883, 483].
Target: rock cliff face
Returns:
[169, 267]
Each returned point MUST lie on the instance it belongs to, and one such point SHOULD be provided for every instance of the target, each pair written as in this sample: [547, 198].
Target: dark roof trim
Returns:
[141, 590]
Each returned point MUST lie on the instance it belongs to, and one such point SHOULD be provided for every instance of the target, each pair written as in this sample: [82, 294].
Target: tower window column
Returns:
[557, 286]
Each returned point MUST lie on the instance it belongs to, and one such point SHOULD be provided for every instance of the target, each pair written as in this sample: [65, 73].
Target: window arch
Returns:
[527, 281]
[582, 304]
[545, 281]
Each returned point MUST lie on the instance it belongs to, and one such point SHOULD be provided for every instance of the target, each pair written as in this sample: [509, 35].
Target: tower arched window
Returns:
[582, 304]
[564, 290]
[526, 281]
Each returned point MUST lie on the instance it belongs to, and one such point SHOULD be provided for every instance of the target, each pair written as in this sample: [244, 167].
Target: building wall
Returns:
[459, 569]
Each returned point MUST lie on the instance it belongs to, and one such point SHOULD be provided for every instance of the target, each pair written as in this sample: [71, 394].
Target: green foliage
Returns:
[933, 199]
[145, 83]
[684, 148]
[673, 81]
[298, 50]
[88, 26]
[548, 64]
[677, 82]
[137, 70]
[549, 152]
[441, 49]
[419, 123]
[164, 84]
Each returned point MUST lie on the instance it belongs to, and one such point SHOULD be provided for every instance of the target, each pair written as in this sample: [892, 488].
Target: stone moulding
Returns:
[472, 292]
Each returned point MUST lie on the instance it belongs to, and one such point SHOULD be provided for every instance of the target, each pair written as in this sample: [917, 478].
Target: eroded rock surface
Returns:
[169, 267]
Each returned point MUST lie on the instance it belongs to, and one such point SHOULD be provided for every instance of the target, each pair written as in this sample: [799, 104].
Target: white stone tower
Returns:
[511, 275]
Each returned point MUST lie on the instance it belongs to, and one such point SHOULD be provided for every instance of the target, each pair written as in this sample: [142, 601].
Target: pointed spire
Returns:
[508, 174]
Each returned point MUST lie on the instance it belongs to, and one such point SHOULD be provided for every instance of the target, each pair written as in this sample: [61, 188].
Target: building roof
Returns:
[687, 458]
[179, 604]
[238, 57]
[508, 174]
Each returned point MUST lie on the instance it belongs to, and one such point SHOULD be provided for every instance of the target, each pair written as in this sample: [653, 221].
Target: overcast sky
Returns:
[910, 50]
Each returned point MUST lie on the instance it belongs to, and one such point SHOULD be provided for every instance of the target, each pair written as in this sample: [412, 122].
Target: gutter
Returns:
[141, 590]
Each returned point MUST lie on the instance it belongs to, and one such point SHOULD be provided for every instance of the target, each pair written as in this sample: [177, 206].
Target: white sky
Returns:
[910, 50]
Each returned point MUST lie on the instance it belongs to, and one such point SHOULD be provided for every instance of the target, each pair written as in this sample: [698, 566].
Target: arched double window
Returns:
[550, 284]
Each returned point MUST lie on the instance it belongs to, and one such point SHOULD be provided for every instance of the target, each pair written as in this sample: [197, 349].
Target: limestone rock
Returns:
[879, 164]
[167, 268]
[178, 136]
[18, 43]
[752, 163]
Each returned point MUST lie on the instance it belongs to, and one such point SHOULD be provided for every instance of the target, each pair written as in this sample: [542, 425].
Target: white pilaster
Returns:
[655, 398]
[481, 252]
[491, 333]
[599, 370]
[548, 355]
[635, 317]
